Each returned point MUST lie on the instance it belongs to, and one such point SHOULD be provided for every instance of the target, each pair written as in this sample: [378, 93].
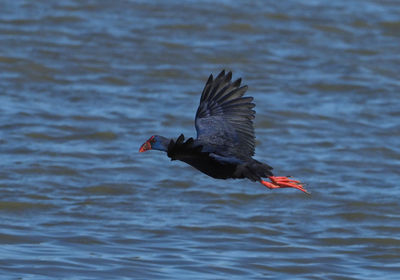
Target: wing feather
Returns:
[224, 117]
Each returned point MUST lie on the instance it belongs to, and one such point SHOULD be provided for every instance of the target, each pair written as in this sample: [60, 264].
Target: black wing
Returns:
[224, 119]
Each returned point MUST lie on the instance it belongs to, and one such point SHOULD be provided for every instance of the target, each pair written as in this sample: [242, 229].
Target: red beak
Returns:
[146, 146]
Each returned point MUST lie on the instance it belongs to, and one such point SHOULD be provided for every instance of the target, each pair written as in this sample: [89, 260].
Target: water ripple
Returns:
[83, 85]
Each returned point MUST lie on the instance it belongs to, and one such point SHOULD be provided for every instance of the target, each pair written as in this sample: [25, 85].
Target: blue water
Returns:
[84, 83]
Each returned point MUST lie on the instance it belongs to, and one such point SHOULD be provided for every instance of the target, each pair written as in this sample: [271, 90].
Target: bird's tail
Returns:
[253, 170]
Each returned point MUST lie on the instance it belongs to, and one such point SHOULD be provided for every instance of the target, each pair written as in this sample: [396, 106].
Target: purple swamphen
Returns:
[225, 137]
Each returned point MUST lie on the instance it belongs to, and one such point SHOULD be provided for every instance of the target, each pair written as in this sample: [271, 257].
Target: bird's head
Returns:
[155, 142]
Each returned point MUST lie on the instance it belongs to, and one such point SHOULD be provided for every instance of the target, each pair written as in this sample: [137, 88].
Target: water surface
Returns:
[85, 83]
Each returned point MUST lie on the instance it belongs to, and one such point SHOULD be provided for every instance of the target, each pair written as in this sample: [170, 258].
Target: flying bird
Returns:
[225, 142]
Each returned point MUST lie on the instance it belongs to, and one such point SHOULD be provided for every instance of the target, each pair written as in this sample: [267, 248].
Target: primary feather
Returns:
[224, 118]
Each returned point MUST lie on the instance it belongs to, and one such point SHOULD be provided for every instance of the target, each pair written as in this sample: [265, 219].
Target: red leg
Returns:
[283, 182]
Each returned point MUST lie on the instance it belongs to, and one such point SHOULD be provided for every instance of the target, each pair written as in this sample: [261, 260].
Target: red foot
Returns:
[283, 182]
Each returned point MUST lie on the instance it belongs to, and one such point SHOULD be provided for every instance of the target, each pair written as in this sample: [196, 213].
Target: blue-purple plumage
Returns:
[225, 137]
[224, 118]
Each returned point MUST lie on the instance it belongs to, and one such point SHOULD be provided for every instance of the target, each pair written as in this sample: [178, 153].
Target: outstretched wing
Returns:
[224, 119]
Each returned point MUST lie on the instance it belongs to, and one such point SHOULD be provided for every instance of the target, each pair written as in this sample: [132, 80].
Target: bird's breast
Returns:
[212, 167]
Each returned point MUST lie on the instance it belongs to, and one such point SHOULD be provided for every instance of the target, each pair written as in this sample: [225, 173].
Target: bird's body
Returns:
[225, 137]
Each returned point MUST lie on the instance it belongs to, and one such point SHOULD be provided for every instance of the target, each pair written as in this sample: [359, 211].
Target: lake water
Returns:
[84, 83]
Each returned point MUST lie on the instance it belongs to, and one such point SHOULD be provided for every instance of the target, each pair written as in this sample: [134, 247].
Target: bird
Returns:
[225, 143]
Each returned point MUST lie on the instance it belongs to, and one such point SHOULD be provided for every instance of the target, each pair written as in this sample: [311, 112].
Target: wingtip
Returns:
[237, 82]
[210, 79]
[221, 74]
[229, 76]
